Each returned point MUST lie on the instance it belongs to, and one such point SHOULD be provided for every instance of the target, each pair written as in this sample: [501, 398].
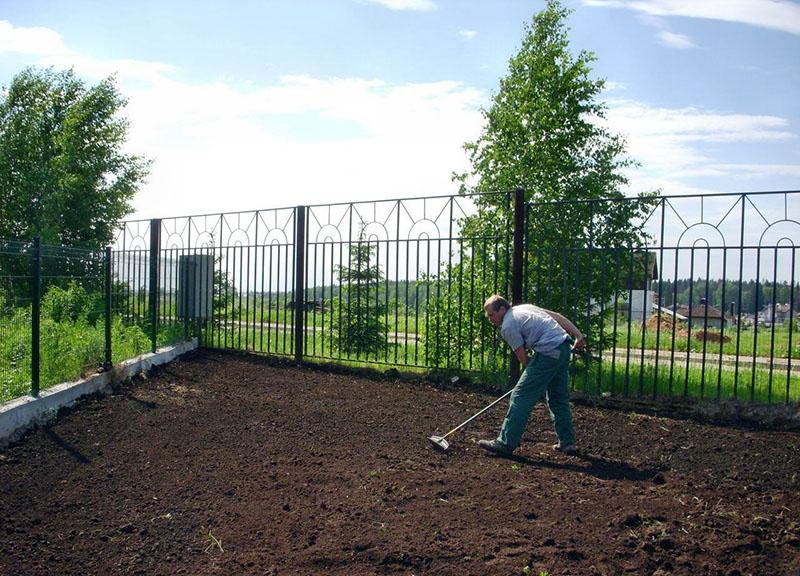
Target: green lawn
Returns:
[767, 342]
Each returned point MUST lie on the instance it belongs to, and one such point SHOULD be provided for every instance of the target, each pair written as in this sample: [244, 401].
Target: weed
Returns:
[214, 542]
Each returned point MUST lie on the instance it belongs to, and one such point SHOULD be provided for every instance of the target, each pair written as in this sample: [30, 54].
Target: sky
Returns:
[247, 104]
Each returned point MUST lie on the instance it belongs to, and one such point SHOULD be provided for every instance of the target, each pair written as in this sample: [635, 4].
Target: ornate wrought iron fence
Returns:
[402, 283]
[424, 312]
[703, 303]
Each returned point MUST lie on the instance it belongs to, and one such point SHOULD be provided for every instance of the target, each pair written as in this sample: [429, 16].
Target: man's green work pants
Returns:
[543, 375]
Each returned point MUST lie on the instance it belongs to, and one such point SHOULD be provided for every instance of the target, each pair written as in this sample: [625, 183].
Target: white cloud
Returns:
[34, 41]
[467, 34]
[612, 86]
[746, 171]
[675, 146]
[782, 15]
[673, 40]
[47, 45]
[416, 5]
[216, 148]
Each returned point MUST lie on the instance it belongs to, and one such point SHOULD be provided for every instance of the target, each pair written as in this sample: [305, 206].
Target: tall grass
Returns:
[69, 350]
[72, 339]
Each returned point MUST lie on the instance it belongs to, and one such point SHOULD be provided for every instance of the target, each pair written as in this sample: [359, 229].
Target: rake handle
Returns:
[583, 353]
[465, 422]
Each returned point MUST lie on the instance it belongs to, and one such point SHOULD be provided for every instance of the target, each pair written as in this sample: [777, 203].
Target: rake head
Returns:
[439, 443]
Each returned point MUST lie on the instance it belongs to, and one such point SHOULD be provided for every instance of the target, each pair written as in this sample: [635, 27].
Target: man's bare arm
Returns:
[569, 328]
[521, 356]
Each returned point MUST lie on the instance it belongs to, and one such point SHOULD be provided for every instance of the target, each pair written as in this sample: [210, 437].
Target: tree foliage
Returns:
[225, 296]
[545, 132]
[64, 174]
[362, 315]
[542, 131]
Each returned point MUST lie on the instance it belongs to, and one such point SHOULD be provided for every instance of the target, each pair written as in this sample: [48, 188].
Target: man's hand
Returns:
[580, 343]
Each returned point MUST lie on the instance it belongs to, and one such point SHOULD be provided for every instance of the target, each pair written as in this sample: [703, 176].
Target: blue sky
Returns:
[258, 104]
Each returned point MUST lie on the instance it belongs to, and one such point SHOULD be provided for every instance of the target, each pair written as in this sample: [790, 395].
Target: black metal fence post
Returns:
[108, 308]
[299, 274]
[36, 297]
[155, 253]
[517, 267]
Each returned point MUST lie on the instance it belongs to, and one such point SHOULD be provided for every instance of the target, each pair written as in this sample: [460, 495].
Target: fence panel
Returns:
[703, 304]
[52, 296]
[228, 277]
[398, 283]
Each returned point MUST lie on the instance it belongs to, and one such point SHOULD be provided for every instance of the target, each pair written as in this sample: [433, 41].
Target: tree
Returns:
[63, 173]
[362, 314]
[544, 133]
[224, 297]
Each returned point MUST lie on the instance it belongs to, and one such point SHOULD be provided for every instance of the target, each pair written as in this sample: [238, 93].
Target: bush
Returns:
[71, 304]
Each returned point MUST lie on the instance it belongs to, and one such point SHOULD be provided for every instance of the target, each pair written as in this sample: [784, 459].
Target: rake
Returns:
[440, 442]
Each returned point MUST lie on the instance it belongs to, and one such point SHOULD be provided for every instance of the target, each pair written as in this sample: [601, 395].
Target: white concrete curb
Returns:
[19, 414]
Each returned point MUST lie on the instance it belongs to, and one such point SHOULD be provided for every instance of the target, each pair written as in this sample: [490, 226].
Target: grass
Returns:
[72, 348]
[766, 342]
[69, 350]
[677, 380]
[319, 346]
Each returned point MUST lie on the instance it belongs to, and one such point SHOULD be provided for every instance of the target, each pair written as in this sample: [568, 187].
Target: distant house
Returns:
[778, 316]
[703, 314]
[641, 271]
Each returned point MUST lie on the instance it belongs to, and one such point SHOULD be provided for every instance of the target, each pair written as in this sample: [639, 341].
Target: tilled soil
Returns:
[223, 464]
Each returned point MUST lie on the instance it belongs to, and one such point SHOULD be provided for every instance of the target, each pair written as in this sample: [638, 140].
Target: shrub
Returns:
[71, 304]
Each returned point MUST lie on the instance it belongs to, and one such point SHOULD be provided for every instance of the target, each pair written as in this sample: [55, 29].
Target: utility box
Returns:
[195, 286]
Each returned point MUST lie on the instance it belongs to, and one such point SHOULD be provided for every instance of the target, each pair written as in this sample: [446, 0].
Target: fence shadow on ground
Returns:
[67, 447]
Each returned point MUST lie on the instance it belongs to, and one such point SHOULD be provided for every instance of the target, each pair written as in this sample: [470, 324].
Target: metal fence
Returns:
[68, 312]
[704, 305]
[53, 315]
[699, 301]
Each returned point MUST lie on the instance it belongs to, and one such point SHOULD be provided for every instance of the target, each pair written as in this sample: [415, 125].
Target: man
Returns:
[526, 327]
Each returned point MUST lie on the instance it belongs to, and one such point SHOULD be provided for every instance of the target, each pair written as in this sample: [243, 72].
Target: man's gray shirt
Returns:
[529, 326]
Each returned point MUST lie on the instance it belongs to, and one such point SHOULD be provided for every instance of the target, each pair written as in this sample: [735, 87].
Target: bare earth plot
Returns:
[221, 464]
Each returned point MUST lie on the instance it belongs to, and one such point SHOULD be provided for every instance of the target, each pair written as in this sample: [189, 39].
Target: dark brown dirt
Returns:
[221, 464]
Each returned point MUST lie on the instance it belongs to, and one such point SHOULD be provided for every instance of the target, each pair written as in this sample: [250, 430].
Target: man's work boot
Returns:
[495, 447]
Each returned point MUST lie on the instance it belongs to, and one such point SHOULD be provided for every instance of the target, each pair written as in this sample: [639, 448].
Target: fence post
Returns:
[155, 254]
[36, 297]
[108, 306]
[517, 267]
[299, 283]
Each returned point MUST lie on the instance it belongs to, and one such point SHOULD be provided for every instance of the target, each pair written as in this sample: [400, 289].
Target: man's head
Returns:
[496, 307]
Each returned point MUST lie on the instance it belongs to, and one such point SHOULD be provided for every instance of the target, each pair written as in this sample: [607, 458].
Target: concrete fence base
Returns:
[20, 414]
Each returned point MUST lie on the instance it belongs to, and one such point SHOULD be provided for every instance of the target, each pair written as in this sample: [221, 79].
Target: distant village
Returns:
[645, 304]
